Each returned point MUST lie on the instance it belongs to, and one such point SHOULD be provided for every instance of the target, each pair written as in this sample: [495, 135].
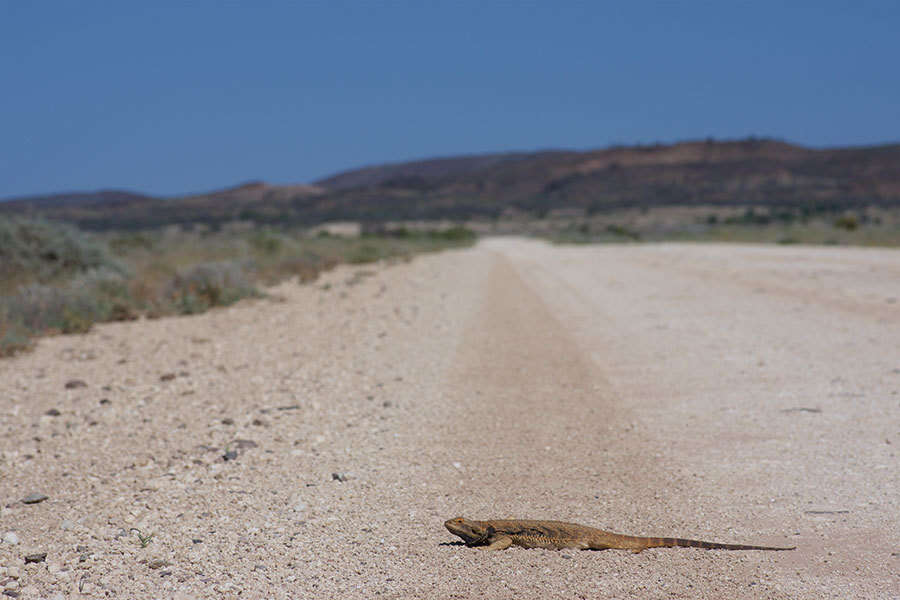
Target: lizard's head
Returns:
[472, 532]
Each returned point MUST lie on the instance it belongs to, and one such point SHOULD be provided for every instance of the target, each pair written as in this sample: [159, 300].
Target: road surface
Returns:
[742, 394]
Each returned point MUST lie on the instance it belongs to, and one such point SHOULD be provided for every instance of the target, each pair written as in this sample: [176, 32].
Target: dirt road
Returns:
[727, 393]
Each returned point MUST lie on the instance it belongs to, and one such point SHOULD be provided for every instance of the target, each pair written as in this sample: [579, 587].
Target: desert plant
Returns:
[209, 284]
[143, 538]
[98, 295]
[35, 250]
[849, 222]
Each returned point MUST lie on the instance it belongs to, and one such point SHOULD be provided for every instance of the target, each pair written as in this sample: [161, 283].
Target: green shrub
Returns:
[848, 222]
[209, 284]
[365, 253]
[35, 250]
[98, 295]
[267, 242]
[623, 231]
[455, 234]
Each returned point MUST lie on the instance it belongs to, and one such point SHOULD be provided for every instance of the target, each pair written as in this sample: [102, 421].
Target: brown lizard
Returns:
[555, 535]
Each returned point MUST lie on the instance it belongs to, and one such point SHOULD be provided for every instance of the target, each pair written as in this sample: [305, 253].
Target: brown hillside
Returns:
[751, 172]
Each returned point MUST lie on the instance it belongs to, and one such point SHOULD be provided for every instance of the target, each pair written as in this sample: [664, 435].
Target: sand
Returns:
[742, 394]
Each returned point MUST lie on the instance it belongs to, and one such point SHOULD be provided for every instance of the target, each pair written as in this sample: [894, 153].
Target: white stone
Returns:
[10, 538]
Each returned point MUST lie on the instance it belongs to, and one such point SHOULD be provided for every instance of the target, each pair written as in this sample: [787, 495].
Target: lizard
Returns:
[500, 534]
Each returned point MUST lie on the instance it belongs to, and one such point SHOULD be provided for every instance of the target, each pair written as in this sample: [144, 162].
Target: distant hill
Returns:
[750, 172]
[75, 199]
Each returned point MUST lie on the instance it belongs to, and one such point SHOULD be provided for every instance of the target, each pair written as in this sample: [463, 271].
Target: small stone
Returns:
[35, 557]
[53, 413]
[244, 444]
[260, 423]
[13, 572]
[342, 477]
[197, 540]
[227, 421]
[11, 593]
[10, 538]
[67, 525]
[230, 454]
[73, 384]
[104, 401]
[158, 563]
[167, 377]
[34, 498]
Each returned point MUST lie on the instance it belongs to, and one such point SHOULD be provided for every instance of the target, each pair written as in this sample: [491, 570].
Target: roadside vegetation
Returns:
[873, 227]
[55, 278]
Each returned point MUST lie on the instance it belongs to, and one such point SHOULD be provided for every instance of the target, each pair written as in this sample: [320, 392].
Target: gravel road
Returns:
[310, 445]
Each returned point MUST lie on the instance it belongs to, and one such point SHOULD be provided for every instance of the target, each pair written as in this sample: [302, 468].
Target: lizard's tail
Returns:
[680, 542]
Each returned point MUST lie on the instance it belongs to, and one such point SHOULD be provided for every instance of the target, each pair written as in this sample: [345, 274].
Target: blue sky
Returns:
[173, 97]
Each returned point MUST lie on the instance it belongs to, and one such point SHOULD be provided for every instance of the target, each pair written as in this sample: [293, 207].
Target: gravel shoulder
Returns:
[312, 444]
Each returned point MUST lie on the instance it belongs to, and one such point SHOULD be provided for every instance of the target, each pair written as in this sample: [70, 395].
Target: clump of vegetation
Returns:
[57, 279]
[143, 539]
[809, 223]
[35, 250]
[848, 222]
[207, 285]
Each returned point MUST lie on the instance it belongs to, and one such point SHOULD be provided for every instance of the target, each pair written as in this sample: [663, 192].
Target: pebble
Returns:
[34, 498]
[230, 454]
[167, 377]
[67, 525]
[10, 538]
[74, 384]
[53, 412]
[35, 557]
[342, 477]
[158, 563]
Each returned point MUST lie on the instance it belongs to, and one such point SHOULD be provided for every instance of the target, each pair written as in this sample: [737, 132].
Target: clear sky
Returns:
[167, 97]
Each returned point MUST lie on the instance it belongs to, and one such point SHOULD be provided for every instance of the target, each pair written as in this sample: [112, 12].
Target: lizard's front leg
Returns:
[498, 542]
